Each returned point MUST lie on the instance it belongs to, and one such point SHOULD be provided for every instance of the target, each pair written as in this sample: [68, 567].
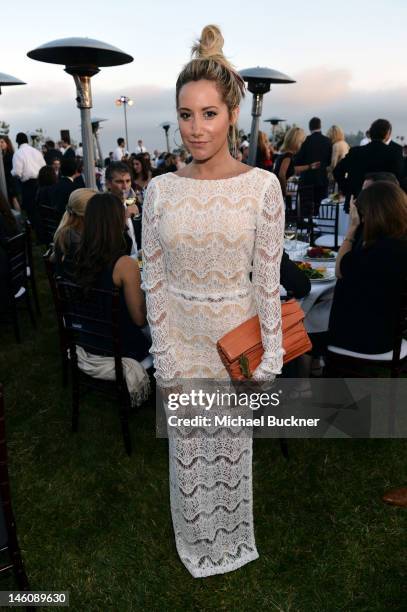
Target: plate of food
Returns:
[320, 254]
[317, 275]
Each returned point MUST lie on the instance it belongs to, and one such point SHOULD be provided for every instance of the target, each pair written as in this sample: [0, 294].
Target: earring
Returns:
[178, 145]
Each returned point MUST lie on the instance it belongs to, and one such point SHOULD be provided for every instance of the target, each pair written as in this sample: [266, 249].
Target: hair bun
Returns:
[210, 45]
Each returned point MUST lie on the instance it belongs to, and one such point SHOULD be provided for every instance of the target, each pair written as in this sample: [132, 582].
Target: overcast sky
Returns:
[347, 57]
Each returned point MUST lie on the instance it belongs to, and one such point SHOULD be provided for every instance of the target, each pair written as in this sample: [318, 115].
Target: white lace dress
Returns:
[201, 240]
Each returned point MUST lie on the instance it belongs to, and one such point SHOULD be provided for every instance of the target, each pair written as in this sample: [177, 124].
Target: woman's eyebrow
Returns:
[184, 108]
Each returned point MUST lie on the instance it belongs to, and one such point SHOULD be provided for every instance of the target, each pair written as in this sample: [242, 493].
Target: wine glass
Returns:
[290, 233]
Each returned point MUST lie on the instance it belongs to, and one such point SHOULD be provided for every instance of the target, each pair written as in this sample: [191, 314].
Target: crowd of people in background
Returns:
[54, 178]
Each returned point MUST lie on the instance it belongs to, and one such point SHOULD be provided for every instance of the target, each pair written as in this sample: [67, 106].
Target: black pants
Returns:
[28, 193]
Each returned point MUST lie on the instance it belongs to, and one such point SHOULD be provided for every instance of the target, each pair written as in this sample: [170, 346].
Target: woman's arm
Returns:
[282, 175]
[313, 166]
[155, 287]
[126, 274]
[268, 249]
[347, 244]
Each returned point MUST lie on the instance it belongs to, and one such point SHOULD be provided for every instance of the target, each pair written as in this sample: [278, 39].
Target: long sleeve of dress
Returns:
[156, 289]
[268, 250]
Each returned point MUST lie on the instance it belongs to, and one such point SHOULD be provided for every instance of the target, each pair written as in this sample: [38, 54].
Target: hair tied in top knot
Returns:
[210, 45]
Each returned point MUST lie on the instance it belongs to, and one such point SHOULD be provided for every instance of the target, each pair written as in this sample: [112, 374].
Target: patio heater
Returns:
[274, 121]
[82, 58]
[166, 126]
[259, 81]
[6, 80]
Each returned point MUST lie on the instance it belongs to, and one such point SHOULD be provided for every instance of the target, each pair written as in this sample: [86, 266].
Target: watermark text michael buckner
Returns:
[290, 408]
[206, 401]
[240, 421]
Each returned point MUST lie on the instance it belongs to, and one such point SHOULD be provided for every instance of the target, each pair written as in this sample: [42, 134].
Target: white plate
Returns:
[329, 276]
[319, 259]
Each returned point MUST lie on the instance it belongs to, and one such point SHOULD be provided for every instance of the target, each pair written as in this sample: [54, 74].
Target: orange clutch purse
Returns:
[241, 349]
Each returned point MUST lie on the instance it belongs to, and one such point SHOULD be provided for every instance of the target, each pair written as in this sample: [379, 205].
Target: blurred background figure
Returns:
[284, 165]
[264, 157]
[7, 150]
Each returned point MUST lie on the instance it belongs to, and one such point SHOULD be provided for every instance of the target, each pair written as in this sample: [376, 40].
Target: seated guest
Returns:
[284, 166]
[118, 182]
[9, 227]
[59, 194]
[46, 179]
[68, 235]
[370, 279]
[9, 222]
[102, 263]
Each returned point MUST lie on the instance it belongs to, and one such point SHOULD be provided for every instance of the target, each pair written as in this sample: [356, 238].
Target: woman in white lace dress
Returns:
[205, 229]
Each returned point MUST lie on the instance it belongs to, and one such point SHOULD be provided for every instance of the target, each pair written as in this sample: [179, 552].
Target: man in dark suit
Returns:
[69, 152]
[312, 160]
[377, 156]
[61, 191]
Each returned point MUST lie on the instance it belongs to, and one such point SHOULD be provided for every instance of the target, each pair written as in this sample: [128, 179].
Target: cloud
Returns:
[320, 91]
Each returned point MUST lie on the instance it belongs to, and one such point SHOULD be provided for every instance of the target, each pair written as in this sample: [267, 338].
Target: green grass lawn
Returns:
[97, 523]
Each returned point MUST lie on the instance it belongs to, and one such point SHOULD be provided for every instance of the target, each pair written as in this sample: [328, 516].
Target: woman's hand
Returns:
[354, 219]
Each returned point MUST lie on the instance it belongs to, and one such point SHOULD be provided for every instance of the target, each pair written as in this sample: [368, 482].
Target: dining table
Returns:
[317, 304]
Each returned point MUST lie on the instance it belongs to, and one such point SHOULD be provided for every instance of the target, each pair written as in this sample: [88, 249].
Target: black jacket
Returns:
[373, 157]
[293, 279]
[59, 194]
[315, 148]
[367, 297]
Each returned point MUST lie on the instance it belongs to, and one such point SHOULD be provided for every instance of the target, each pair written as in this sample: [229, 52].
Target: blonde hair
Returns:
[335, 134]
[293, 140]
[209, 63]
[73, 216]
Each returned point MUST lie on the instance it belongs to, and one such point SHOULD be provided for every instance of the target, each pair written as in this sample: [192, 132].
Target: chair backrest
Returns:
[91, 320]
[400, 331]
[327, 220]
[16, 251]
[50, 219]
[306, 201]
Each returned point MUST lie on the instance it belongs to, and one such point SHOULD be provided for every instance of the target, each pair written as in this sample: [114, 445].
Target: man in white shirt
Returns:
[118, 182]
[140, 147]
[120, 150]
[27, 162]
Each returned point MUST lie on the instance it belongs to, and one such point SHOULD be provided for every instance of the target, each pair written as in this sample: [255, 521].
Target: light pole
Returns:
[82, 58]
[166, 126]
[6, 80]
[274, 121]
[259, 81]
[124, 101]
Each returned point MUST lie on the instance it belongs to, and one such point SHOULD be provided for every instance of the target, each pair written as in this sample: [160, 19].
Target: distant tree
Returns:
[353, 140]
[4, 128]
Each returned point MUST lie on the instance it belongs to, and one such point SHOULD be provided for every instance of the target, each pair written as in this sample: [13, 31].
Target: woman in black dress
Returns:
[102, 263]
[284, 166]
[371, 278]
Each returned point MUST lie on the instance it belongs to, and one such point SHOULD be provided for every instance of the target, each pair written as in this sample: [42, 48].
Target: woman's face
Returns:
[3, 144]
[137, 166]
[204, 119]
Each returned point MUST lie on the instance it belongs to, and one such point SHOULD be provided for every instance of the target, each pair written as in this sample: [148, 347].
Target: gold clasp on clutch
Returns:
[245, 366]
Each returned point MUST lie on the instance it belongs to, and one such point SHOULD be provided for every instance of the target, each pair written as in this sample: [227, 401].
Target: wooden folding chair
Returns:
[8, 535]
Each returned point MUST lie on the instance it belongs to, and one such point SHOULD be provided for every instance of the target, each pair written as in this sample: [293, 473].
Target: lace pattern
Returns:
[201, 241]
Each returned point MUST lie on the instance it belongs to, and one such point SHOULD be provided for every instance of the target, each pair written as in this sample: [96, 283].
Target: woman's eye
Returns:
[210, 114]
[184, 116]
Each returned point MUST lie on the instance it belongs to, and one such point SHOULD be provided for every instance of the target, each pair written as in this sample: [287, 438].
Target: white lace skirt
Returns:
[211, 498]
